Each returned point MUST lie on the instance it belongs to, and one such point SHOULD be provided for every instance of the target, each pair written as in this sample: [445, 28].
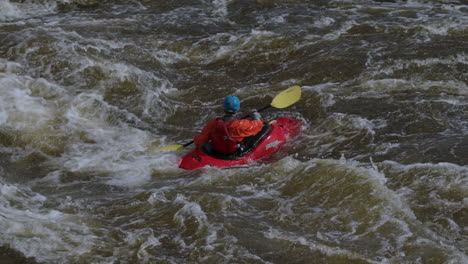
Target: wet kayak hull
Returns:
[280, 131]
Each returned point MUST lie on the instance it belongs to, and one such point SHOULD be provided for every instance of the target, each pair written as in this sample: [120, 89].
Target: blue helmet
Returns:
[231, 104]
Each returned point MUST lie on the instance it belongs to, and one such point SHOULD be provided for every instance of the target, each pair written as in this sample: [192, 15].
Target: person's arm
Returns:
[204, 135]
[255, 115]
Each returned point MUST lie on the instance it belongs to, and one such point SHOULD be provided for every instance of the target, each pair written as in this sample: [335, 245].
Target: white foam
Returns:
[220, 7]
[169, 57]
[150, 242]
[353, 122]
[279, 19]
[314, 245]
[339, 32]
[253, 192]
[9, 10]
[159, 196]
[15, 10]
[444, 25]
[193, 213]
[391, 85]
[35, 107]
[26, 112]
[449, 176]
[438, 187]
[118, 152]
[28, 226]
[324, 22]
[191, 209]
[228, 45]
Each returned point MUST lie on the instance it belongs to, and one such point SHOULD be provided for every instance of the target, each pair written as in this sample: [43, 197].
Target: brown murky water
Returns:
[89, 90]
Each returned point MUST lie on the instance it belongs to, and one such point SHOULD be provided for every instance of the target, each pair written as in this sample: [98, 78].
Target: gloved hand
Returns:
[255, 115]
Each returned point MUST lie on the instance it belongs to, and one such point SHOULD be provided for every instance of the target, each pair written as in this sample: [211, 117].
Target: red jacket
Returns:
[237, 129]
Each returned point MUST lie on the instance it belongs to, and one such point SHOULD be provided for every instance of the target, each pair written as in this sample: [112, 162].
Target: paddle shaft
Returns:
[243, 117]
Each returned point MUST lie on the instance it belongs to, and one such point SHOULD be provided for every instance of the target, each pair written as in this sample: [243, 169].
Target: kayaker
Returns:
[226, 133]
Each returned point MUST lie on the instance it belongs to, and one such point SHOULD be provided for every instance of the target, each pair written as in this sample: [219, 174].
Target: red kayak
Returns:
[267, 141]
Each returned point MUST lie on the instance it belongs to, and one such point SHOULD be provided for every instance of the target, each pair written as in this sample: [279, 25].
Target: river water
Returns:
[89, 90]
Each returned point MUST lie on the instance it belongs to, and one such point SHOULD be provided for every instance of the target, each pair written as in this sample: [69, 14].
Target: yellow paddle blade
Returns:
[287, 97]
[172, 148]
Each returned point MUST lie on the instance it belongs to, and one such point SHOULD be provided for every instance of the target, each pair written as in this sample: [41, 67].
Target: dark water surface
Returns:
[89, 90]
